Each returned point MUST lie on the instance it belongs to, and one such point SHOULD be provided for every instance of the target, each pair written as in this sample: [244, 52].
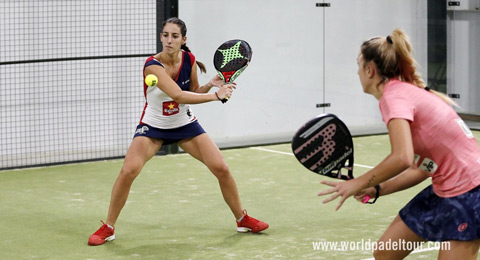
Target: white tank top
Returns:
[160, 110]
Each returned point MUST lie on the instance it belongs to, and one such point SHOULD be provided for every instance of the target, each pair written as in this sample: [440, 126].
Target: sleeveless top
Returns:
[160, 110]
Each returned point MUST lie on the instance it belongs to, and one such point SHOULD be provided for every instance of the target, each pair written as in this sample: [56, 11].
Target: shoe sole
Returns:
[110, 238]
[243, 229]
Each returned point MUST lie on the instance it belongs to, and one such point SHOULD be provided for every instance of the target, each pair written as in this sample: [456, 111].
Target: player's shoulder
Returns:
[153, 61]
[190, 57]
[399, 88]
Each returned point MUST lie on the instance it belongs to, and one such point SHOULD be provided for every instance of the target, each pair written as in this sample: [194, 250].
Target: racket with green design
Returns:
[231, 59]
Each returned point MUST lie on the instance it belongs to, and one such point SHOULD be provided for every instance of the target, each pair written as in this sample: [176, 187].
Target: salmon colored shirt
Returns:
[444, 146]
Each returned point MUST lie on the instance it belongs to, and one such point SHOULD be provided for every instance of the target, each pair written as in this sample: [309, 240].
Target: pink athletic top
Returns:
[444, 146]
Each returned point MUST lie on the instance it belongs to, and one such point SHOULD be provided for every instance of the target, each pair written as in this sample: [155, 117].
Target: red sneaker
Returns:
[103, 234]
[250, 224]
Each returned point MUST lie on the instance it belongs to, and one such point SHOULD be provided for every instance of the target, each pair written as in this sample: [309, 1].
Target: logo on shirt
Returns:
[462, 227]
[428, 165]
[464, 127]
[170, 108]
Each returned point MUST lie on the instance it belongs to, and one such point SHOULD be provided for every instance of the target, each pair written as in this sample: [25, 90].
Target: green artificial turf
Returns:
[176, 211]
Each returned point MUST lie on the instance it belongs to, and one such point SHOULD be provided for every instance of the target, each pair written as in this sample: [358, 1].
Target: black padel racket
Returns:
[231, 59]
[324, 145]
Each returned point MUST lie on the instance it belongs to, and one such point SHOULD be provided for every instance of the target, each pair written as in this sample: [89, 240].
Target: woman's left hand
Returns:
[343, 189]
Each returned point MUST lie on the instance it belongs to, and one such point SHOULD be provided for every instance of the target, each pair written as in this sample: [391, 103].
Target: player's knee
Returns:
[130, 172]
[221, 171]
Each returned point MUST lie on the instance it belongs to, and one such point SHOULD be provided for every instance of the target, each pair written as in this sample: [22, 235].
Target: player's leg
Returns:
[140, 151]
[455, 249]
[205, 150]
[398, 233]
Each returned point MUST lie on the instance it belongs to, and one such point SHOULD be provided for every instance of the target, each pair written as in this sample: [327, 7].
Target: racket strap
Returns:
[377, 194]
[223, 100]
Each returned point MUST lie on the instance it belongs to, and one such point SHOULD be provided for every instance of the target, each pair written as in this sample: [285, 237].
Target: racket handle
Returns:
[226, 98]
[366, 199]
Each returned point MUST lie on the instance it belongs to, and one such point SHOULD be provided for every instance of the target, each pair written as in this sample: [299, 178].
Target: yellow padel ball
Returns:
[151, 80]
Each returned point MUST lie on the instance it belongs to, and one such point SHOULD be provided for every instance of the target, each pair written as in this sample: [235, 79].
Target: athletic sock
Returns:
[240, 219]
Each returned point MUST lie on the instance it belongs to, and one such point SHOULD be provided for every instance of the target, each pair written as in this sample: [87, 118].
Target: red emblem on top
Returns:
[170, 108]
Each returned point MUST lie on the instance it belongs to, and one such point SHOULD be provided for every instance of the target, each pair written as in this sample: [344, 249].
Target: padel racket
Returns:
[231, 59]
[324, 145]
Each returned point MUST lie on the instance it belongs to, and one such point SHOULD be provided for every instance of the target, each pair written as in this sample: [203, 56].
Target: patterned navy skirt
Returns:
[170, 136]
[440, 219]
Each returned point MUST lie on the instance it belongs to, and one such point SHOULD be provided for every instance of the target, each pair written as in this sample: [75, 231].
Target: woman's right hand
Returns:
[225, 91]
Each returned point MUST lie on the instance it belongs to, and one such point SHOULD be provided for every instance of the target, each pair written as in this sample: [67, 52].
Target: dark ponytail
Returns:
[183, 30]
[200, 65]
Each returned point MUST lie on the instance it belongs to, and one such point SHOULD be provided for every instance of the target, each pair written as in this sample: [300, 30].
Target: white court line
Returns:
[279, 152]
[268, 150]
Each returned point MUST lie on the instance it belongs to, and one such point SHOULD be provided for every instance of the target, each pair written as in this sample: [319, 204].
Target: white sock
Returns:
[240, 219]
[110, 226]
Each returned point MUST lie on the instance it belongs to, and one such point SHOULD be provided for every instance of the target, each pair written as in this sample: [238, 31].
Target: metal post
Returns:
[165, 10]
